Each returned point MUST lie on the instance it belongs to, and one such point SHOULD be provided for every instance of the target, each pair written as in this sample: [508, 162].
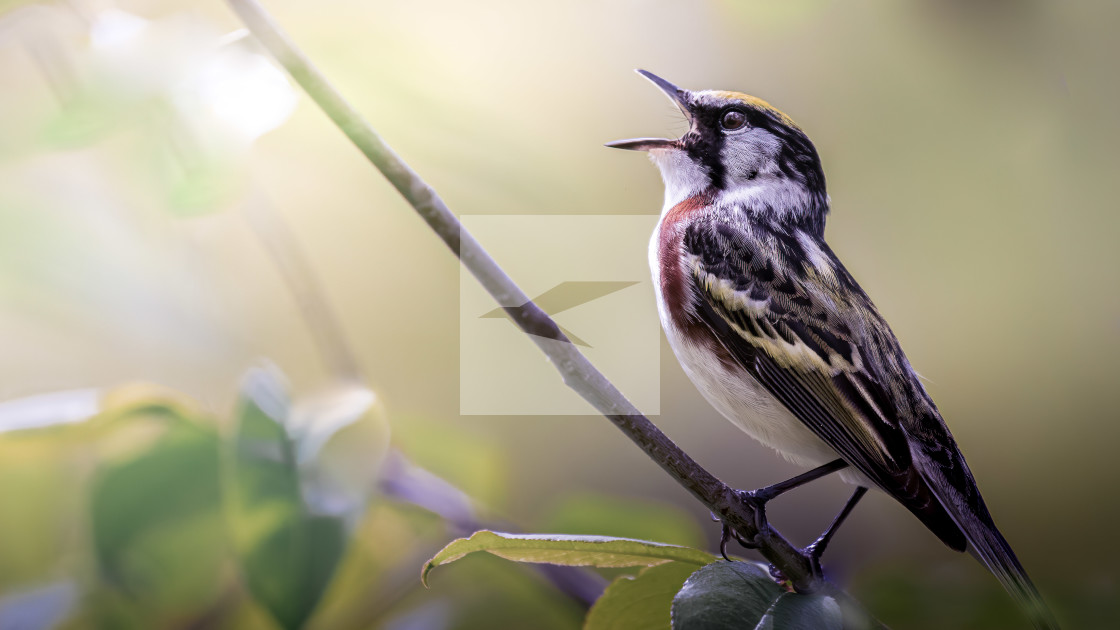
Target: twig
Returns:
[576, 370]
[304, 287]
[399, 478]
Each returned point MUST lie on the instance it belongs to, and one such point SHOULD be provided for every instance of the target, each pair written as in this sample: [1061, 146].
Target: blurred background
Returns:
[173, 212]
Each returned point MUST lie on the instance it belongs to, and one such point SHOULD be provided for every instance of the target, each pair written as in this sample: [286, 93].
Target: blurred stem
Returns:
[305, 288]
[580, 585]
[578, 373]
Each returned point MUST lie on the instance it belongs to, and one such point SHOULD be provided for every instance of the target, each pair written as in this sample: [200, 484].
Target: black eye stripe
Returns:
[797, 158]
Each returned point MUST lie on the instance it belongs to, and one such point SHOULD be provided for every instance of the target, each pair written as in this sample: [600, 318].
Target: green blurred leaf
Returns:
[87, 118]
[160, 510]
[209, 186]
[288, 555]
[8, 5]
[639, 602]
[725, 595]
[341, 440]
[491, 593]
[953, 595]
[596, 551]
[474, 464]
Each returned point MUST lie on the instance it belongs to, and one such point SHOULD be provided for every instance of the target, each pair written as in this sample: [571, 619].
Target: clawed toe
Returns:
[727, 535]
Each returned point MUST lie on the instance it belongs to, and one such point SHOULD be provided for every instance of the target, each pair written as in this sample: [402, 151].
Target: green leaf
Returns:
[725, 596]
[596, 551]
[743, 596]
[160, 509]
[207, 187]
[639, 602]
[288, 554]
[341, 440]
[87, 117]
[820, 612]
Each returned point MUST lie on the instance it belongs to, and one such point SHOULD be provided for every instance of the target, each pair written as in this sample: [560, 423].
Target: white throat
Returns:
[683, 177]
[686, 178]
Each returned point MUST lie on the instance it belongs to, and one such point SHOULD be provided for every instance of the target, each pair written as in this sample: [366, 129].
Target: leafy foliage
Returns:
[688, 587]
[172, 504]
[725, 595]
[288, 555]
[567, 550]
[743, 596]
[162, 508]
[641, 601]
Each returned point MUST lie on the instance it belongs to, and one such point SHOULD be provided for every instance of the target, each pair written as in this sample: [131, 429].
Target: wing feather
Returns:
[813, 339]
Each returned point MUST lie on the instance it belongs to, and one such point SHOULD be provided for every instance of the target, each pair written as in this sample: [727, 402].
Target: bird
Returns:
[780, 338]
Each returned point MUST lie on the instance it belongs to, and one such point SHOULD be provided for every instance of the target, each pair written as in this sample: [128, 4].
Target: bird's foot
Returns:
[755, 500]
[727, 536]
[816, 549]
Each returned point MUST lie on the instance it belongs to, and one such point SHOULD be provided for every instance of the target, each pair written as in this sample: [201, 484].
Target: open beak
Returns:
[679, 96]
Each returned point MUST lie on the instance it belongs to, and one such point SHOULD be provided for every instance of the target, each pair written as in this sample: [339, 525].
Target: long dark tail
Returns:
[992, 549]
[964, 505]
[948, 477]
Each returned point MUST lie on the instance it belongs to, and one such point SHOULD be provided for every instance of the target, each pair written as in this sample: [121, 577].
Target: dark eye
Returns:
[733, 119]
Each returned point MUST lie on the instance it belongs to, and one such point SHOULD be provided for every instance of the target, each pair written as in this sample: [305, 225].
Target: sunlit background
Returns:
[174, 211]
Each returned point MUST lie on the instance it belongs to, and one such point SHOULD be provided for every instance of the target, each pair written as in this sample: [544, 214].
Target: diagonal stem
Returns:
[576, 371]
[304, 288]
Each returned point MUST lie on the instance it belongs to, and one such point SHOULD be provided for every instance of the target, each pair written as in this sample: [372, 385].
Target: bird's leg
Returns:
[763, 495]
[816, 549]
[759, 498]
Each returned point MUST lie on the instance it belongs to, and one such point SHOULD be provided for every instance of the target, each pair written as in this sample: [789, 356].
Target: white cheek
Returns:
[683, 177]
[750, 154]
[779, 196]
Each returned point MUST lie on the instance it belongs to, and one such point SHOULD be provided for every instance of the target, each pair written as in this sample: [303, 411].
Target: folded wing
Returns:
[792, 316]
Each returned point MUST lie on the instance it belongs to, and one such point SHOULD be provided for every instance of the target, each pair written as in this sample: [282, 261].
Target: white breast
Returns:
[735, 393]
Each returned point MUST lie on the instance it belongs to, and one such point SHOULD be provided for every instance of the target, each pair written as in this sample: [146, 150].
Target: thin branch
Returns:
[399, 478]
[577, 372]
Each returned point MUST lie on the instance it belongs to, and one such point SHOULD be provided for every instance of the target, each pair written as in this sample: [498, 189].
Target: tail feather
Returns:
[992, 550]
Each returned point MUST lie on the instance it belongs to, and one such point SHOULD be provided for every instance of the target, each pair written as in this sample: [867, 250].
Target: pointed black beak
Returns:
[679, 96]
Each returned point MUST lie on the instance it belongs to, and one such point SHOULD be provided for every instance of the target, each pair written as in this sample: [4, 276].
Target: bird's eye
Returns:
[733, 119]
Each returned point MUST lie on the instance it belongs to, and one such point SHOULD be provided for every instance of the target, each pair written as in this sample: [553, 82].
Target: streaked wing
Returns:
[792, 316]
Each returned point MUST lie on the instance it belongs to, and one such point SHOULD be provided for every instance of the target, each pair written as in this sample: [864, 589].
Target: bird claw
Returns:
[729, 534]
[724, 537]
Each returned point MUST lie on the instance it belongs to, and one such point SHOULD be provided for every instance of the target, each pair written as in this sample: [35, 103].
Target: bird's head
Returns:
[741, 151]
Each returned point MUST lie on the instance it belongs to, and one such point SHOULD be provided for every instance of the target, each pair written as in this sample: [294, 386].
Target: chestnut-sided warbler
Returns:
[779, 337]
